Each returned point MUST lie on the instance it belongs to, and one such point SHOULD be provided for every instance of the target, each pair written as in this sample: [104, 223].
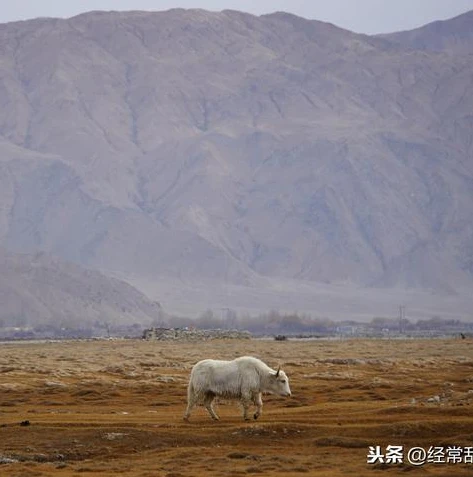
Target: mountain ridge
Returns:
[454, 33]
[39, 289]
[229, 148]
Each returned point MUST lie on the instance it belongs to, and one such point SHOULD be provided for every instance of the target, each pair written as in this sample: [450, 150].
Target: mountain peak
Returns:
[455, 35]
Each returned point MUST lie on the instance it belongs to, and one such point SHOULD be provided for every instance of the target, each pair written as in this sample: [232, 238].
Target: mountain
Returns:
[210, 148]
[454, 35]
[42, 290]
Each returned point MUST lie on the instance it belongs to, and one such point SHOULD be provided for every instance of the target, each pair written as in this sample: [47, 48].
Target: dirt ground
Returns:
[115, 408]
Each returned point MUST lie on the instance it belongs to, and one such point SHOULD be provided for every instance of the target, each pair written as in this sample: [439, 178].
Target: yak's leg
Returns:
[190, 406]
[209, 397]
[246, 402]
[246, 406]
[259, 405]
[191, 402]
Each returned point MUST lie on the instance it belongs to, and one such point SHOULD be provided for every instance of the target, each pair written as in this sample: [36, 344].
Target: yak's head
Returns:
[279, 383]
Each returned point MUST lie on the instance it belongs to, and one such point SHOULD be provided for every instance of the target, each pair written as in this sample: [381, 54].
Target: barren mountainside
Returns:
[454, 35]
[228, 148]
[38, 289]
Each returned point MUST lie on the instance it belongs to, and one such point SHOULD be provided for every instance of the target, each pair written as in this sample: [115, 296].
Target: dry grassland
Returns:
[114, 408]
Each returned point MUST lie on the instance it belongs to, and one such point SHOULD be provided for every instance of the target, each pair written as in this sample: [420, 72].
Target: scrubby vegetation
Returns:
[272, 323]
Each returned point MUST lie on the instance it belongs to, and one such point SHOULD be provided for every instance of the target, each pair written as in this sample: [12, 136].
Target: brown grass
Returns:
[115, 408]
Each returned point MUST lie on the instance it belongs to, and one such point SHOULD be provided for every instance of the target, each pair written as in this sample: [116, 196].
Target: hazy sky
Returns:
[363, 16]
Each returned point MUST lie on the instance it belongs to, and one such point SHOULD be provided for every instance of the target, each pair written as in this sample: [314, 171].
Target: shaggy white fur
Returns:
[244, 378]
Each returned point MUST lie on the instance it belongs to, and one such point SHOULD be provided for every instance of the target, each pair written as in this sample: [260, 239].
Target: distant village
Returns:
[272, 325]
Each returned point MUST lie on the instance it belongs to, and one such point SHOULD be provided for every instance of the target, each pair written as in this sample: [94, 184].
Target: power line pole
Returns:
[402, 316]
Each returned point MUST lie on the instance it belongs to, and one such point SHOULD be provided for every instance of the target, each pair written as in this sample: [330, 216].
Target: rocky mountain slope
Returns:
[39, 289]
[229, 148]
[454, 35]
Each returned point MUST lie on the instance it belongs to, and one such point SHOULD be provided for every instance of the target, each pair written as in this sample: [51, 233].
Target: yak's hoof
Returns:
[255, 416]
[186, 418]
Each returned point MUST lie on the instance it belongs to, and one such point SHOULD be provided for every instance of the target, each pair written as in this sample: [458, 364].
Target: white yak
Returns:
[244, 378]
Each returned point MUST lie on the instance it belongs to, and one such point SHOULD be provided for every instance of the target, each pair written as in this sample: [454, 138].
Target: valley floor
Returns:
[114, 408]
